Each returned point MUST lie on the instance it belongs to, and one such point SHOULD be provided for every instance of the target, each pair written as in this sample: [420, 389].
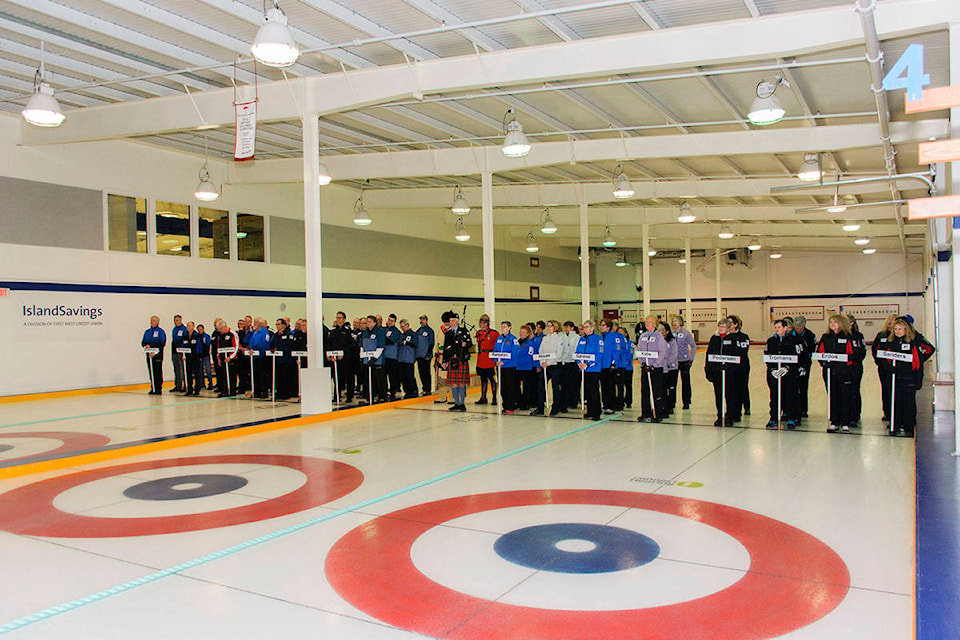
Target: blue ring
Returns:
[615, 549]
[212, 484]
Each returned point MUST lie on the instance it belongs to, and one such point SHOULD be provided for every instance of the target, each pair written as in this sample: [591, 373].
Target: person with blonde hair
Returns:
[884, 367]
[840, 374]
[652, 351]
[551, 348]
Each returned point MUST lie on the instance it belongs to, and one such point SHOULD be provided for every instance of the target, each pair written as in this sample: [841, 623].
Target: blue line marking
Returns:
[51, 612]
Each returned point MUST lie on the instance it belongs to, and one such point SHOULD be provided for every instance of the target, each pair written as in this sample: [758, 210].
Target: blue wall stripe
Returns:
[158, 575]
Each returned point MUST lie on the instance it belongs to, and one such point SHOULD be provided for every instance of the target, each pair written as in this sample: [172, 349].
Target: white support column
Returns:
[719, 299]
[314, 381]
[945, 319]
[584, 262]
[489, 293]
[646, 269]
[151, 226]
[688, 282]
[194, 231]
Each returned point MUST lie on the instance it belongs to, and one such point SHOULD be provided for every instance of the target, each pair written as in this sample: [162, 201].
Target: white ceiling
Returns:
[140, 52]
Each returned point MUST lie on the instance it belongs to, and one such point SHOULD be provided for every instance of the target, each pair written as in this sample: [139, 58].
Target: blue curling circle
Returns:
[576, 547]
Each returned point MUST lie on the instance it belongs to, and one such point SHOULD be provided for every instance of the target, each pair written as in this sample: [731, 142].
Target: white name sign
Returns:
[225, 350]
[653, 355]
[303, 354]
[184, 350]
[501, 355]
[716, 357]
[371, 354]
[251, 352]
[585, 357]
[780, 359]
[829, 357]
[334, 354]
[151, 351]
[895, 355]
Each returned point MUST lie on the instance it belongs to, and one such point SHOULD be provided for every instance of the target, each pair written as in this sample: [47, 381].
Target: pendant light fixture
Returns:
[325, 177]
[42, 108]
[622, 189]
[725, 232]
[462, 234]
[531, 243]
[766, 108]
[621, 260]
[360, 216]
[460, 206]
[651, 252]
[837, 207]
[206, 190]
[811, 169]
[861, 241]
[686, 213]
[548, 227]
[851, 226]
[515, 143]
[274, 45]
[754, 244]
[775, 254]
[869, 251]
[608, 240]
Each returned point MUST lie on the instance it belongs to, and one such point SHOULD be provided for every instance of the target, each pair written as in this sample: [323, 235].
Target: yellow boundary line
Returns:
[31, 468]
[49, 395]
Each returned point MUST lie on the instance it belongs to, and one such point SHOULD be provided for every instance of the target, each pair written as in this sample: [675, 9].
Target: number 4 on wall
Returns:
[914, 80]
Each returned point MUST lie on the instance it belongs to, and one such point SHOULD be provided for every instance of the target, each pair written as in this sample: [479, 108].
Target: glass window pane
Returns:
[250, 237]
[173, 229]
[127, 223]
[214, 234]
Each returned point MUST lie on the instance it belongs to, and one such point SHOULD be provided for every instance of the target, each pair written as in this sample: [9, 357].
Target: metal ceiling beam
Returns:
[553, 23]
[460, 161]
[405, 134]
[433, 10]
[124, 34]
[57, 79]
[752, 8]
[255, 17]
[647, 16]
[364, 24]
[525, 108]
[788, 34]
[655, 103]
[711, 85]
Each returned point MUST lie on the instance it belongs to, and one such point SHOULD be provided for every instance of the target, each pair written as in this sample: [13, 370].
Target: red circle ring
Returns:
[29, 510]
[72, 442]
[794, 579]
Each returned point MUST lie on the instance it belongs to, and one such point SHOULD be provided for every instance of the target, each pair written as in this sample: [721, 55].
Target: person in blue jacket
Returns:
[178, 336]
[426, 338]
[374, 341]
[508, 347]
[155, 338]
[406, 356]
[203, 351]
[590, 344]
[260, 343]
[529, 370]
[613, 343]
[391, 338]
[626, 363]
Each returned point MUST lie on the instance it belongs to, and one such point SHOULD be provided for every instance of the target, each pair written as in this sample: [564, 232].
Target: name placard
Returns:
[151, 351]
[652, 355]
[303, 354]
[716, 357]
[335, 354]
[501, 355]
[829, 357]
[251, 352]
[895, 355]
[225, 350]
[585, 357]
[775, 359]
[371, 354]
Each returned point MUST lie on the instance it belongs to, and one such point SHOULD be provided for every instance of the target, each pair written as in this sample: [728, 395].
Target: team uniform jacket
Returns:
[788, 345]
[842, 343]
[425, 341]
[686, 347]
[177, 336]
[371, 340]
[226, 340]
[592, 344]
[724, 345]
[528, 348]
[919, 349]
[508, 344]
[391, 337]
[155, 339]
[670, 364]
[407, 347]
[613, 344]
[652, 341]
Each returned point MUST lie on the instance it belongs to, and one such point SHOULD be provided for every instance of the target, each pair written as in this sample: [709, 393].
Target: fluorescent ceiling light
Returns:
[851, 226]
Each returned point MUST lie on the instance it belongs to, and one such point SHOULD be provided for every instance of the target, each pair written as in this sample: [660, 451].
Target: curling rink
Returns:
[416, 522]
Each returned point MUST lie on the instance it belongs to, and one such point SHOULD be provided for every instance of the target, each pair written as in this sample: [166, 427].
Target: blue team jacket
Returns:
[407, 347]
[508, 344]
[371, 340]
[425, 341]
[592, 344]
[391, 336]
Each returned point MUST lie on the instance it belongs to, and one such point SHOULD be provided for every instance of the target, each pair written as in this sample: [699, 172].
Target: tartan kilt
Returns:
[459, 376]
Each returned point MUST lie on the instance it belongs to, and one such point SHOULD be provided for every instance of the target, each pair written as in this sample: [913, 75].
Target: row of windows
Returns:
[127, 230]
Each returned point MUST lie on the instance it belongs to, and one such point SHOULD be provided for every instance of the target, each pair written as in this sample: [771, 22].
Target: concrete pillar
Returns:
[646, 269]
[584, 263]
[489, 293]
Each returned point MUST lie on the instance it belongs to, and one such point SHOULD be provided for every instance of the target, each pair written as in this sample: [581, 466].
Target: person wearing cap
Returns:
[456, 361]
[508, 346]
[686, 352]
[486, 341]
[425, 342]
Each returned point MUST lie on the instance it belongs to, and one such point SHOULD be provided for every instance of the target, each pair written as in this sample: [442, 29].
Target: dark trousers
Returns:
[156, 371]
[628, 387]
[218, 370]
[392, 371]
[286, 379]
[262, 377]
[652, 393]
[857, 398]
[345, 377]
[787, 406]
[842, 397]
[670, 389]
[178, 371]
[194, 379]
[684, 369]
[488, 377]
[737, 400]
[905, 404]
[571, 385]
[229, 378]
[731, 398]
[886, 378]
[377, 377]
[744, 385]
[528, 383]
[508, 388]
[591, 393]
[424, 367]
[620, 384]
[243, 373]
[555, 375]
[803, 390]
[608, 389]
[407, 381]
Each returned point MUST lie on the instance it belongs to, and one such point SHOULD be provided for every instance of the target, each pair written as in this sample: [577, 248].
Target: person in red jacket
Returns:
[906, 374]
[226, 340]
[486, 340]
[840, 375]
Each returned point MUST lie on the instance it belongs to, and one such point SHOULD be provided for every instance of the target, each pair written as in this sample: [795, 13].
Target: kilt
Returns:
[459, 376]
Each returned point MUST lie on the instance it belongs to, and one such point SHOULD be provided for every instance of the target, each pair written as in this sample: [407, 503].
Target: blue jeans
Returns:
[205, 371]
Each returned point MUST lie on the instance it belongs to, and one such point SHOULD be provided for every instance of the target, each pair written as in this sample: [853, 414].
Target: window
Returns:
[250, 237]
[214, 234]
[127, 223]
[173, 229]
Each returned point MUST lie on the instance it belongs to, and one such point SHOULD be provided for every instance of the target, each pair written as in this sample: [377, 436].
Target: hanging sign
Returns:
[246, 128]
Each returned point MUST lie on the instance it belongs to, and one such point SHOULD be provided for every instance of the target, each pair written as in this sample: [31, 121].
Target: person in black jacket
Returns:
[857, 369]
[881, 342]
[194, 381]
[906, 375]
[720, 374]
[841, 375]
[340, 340]
[808, 341]
[286, 382]
[741, 376]
[782, 376]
